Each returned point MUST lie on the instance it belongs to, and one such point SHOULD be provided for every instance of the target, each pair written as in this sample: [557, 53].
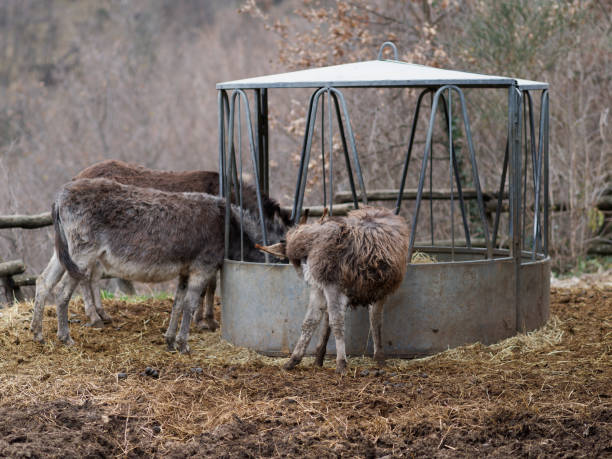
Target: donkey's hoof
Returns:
[98, 323]
[105, 317]
[341, 367]
[183, 347]
[290, 365]
[207, 324]
[380, 359]
[66, 339]
[170, 344]
[38, 337]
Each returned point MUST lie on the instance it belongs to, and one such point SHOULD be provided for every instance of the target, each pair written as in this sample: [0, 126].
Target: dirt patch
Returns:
[118, 392]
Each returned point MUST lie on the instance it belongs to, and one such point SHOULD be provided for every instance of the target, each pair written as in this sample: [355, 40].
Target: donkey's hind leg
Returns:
[316, 307]
[179, 297]
[44, 284]
[196, 285]
[67, 287]
[322, 346]
[204, 318]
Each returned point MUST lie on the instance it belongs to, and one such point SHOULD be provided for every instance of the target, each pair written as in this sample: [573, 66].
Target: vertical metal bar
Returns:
[298, 185]
[450, 166]
[259, 134]
[415, 120]
[221, 128]
[431, 162]
[347, 159]
[468, 134]
[364, 196]
[331, 154]
[228, 174]
[515, 98]
[240, 181]
[266, 140]
[546, 104]
[323, 149]
[524, 172]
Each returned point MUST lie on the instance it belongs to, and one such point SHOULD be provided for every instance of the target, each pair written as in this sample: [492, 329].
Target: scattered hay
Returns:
[542, 393]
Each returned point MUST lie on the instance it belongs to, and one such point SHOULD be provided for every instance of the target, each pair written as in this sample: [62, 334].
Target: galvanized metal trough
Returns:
[470, 294]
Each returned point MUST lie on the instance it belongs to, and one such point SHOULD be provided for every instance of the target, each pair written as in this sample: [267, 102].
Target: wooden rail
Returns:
[12, 277]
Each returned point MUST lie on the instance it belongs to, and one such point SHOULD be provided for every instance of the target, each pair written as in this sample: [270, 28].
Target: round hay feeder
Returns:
[476, 289]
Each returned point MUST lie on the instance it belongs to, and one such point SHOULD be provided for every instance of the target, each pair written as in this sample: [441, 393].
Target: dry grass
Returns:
[545, 392]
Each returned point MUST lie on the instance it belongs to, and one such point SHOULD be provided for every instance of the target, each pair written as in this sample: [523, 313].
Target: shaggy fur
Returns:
[364, 253]
[181, 181]
[355, 260]
[141, 234]
[195, 181]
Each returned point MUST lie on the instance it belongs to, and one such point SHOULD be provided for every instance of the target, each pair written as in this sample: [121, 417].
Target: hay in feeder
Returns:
[422, 258]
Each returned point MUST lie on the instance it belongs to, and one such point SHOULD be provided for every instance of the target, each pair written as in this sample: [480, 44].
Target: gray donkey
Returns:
[140, 234]
[176, 181]
[357, 260]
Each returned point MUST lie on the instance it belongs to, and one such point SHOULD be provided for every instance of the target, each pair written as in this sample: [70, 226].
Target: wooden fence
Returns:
[12, 277]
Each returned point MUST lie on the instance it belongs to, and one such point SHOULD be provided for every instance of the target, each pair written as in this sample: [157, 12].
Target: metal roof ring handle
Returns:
[383, 46]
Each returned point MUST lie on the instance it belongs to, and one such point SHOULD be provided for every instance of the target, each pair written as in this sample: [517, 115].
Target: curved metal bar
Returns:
[254, 152]
[364, 196]
[541, 142]
[298, 185]
[417, 204]
[536, 159]
[230, 147]
[468, 134]
[311, 118]
[383, 46]
[345, 150]
[398, 203]
[466, 227]
[502, 186]
[525, 150]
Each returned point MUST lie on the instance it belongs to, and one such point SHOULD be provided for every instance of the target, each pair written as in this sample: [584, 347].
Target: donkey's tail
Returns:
[61, 245]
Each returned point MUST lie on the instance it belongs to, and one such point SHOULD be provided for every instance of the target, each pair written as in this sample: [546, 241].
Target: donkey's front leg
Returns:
[196, 285]
[67, 285]
[177, 305]
[376, 317]
[336, 308]
[316, 306]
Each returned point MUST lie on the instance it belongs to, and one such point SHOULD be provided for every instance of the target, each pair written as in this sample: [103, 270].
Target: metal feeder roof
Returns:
[377, 73]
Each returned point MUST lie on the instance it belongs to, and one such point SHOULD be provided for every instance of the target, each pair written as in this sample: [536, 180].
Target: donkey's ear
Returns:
[278, 250]
[324, 214]
[304, 216]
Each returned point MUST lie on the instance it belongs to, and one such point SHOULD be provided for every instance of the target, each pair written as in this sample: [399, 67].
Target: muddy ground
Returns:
[544, 394]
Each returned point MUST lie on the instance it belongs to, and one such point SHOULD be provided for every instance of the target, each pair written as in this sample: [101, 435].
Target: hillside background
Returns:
[82, 81]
